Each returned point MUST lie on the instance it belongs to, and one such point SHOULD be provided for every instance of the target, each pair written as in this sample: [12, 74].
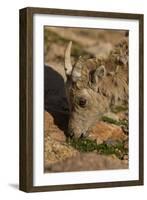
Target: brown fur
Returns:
[103, 83]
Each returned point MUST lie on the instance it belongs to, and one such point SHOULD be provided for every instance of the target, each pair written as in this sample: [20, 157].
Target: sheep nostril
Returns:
[71, 134]
[82, 135]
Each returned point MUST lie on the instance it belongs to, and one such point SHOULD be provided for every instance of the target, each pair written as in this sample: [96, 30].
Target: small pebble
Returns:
[125, 157]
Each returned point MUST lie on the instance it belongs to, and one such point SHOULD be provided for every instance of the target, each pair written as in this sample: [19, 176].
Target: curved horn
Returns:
[76, 73]
[68, 65]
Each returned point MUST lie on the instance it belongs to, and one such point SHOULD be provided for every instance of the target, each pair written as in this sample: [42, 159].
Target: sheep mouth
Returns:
[72, 135]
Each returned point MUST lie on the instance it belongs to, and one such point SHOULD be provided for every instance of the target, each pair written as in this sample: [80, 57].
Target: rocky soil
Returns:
[59, 153]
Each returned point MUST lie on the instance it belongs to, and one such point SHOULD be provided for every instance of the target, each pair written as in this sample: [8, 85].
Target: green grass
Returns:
[113, 121]
[83, 145]
[106, 148]
[86, 145]
[117, 109]
[122, 123]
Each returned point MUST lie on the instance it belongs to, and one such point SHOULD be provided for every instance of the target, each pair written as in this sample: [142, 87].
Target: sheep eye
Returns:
[82, 102]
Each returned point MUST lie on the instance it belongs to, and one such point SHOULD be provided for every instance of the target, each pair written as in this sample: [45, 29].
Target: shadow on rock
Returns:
[55, 101]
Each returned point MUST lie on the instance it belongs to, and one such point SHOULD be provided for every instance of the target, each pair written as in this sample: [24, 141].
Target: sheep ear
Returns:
[99, 73]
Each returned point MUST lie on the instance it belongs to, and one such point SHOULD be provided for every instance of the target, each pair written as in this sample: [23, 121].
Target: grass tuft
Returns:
[113, 121]
[86, 145]
[117, 109]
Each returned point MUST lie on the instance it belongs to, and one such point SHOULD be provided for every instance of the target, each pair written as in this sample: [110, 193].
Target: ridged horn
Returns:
[68, 65]
[76, 73]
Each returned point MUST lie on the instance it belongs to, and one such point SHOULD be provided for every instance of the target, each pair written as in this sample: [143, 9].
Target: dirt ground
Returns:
[59, 155]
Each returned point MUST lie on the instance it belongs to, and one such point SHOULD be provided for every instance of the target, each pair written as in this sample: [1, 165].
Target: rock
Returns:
[55, 151]
[48, 120]
[55, 147]
[126, 157]
[122, 115]
[88, 162]
[126, 145]
[126, 162]
[51, 129]
[102, 132]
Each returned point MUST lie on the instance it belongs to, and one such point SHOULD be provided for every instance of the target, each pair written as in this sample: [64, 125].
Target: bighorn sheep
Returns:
[94, 85]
